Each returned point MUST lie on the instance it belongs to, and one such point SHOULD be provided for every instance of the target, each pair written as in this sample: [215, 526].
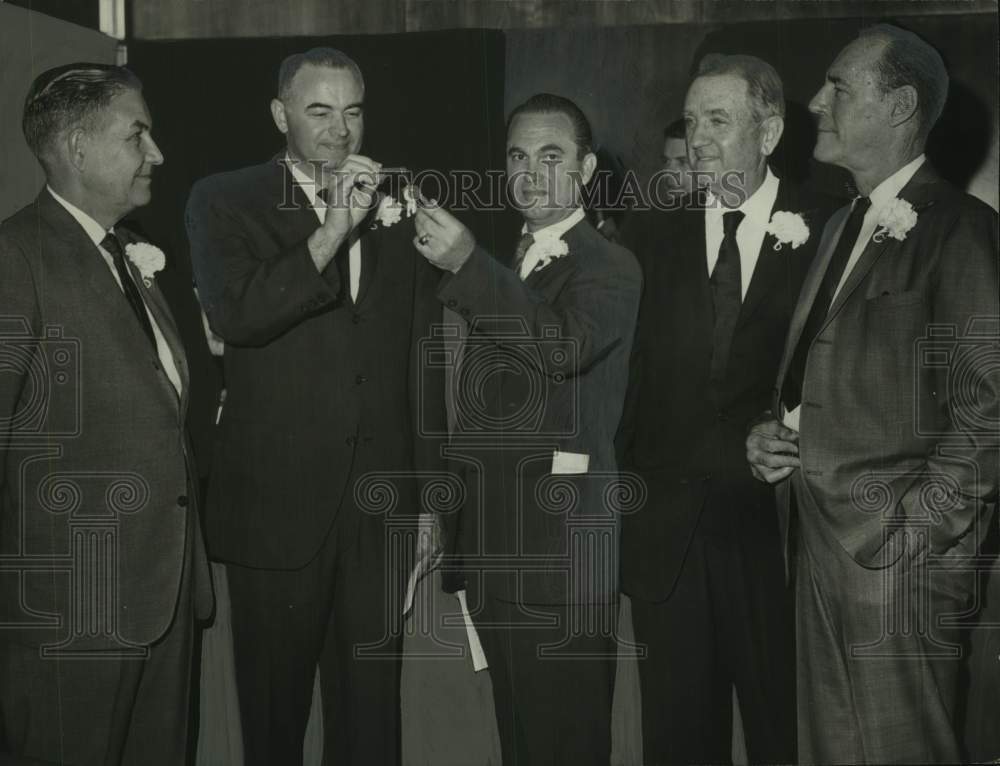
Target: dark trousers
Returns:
[728, 622]
[102, 711]
[552, 684]
[342, 612]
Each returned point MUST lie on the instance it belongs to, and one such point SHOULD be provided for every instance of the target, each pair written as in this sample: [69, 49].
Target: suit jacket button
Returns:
[356, 318]
[359, 379]
[452, 303]
[182, 501]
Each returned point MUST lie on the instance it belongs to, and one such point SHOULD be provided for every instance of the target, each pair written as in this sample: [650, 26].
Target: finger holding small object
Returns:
[423, 239]
[427, 224]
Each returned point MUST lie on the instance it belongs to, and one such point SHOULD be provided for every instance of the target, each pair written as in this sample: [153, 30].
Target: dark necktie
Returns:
[726, 283]
[526, 241]
[114, 247]
[792, 393]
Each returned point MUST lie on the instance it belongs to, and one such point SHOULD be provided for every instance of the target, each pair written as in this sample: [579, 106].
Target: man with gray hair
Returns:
[104, 566]
[883, 438]
[702, 560]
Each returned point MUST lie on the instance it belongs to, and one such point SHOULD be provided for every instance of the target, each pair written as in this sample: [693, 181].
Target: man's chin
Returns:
[825, 151]
[141, 196]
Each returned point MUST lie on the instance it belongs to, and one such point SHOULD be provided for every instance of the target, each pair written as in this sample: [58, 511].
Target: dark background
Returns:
[437, 100]
[210, 105]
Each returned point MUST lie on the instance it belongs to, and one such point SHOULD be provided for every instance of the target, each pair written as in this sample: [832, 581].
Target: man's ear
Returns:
[76, 147]
[904, 105]
[278, 113]
[589, 166]
[770, 134]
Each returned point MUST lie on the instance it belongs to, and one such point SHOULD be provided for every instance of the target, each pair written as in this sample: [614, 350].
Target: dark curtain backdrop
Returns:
[631, 82]
[433, 100]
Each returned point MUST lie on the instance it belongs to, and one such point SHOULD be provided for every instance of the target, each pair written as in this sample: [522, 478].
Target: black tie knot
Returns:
[731, 222]
[112, 244]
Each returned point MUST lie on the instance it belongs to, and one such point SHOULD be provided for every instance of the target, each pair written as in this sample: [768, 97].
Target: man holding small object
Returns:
[308, 275]
[559, 322]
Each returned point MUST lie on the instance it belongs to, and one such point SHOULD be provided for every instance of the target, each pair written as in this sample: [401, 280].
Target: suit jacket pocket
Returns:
[886, 300]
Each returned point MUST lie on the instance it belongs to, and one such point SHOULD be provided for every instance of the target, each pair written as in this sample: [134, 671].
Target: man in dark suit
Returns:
[887, 455]
[702, 560]
[323, 306]
[104, 568]
[539, 394]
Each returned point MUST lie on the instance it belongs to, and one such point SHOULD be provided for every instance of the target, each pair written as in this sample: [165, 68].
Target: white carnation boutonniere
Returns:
[148, 259]
[544, 251]
[788, 229]
[391, 210]
[895, 220]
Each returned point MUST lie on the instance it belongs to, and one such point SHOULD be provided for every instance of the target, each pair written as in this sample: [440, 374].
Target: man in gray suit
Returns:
[884, 436]
[104, 569]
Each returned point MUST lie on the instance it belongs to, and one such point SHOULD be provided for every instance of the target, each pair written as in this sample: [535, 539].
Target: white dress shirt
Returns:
[308, 186]
[96, 233]
[548, 233]
[751, 232]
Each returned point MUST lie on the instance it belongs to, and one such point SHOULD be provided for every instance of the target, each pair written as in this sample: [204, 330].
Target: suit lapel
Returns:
[78, 252]
[919, 193]
[691, 280]
[767, 272]
[811, 285]
[369, 258]
[160, 310]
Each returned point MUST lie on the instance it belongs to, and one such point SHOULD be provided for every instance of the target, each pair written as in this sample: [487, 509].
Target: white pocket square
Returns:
[570, 462]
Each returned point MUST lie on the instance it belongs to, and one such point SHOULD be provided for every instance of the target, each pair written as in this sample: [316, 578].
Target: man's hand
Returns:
[441, 238]
[772, 451]
[350, 195]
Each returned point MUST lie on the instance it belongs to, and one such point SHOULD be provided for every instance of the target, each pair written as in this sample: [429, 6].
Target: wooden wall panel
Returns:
[168, 19]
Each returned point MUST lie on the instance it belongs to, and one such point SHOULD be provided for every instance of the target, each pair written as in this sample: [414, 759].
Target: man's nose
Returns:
[338, 124]
[819, 101]
[696, 135]
[153, 154]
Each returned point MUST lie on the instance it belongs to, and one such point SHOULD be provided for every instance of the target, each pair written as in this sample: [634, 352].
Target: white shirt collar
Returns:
[894, 184]
[757, 208]
[307, 184]
[556, 230]
[93, 229]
